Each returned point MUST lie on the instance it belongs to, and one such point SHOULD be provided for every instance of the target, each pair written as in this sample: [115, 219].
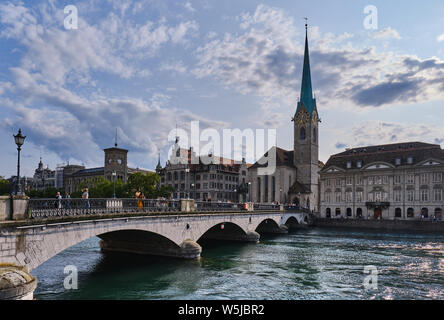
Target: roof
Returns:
[388, 153]
[298, 187]
[306, 98]
[91, 171]
[283, 158]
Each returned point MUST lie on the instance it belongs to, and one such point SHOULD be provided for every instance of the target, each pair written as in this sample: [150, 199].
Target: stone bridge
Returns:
[174, 235]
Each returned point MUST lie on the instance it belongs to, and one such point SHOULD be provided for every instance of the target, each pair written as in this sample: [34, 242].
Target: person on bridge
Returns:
[85, 197]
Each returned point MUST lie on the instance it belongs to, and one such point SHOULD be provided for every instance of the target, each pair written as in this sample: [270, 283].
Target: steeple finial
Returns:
[115, 141]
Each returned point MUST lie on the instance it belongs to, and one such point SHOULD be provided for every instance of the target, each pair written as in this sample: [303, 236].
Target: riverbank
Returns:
[384, 225]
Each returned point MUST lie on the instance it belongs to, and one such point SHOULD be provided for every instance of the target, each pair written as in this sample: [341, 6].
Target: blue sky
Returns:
[143, 66]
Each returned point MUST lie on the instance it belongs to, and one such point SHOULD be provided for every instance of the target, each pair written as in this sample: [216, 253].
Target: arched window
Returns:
[425, 212]
[398, 213]
[338, 212]
[410, 213]
[328, 213]
[302, 134]
[314, 134]
[359, 212]
[349, 212]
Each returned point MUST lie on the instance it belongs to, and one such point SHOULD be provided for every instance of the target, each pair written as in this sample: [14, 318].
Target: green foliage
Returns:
[5, 187]
[47, 193]
[146, 183]
[103, 188]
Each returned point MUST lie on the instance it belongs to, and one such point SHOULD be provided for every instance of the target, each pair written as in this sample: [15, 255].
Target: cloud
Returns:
[440, 38]
[76, 127]
[112, 45]
[387, 33]
[265, 59]
[176, 66]
[373, 132]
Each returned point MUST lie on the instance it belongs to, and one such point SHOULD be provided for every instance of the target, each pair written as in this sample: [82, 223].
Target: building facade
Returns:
[296, 178]
[396, 181]
[213, 179]
[43, 177]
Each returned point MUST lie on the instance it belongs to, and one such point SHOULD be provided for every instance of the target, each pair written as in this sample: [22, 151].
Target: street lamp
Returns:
[19, 140]
[249, 192]
[114, 184]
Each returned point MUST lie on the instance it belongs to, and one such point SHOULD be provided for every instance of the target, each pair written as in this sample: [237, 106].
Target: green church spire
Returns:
[306, 97]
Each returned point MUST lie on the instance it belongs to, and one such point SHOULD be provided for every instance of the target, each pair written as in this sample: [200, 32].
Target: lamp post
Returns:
[19, 140]
[114, 184]
[249, 192]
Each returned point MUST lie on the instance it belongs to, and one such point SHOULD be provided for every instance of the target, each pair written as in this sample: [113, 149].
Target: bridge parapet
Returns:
[37, 209]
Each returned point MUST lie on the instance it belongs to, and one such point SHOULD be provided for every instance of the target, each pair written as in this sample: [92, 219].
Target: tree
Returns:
[146, 183]
[5, 187]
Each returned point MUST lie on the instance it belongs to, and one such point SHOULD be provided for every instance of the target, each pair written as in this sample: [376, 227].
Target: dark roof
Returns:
[388, 153]
[114, 148]
[283, 158]
[92, 171]
[298, 187]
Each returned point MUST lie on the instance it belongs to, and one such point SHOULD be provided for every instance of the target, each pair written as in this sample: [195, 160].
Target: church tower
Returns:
[306, 135]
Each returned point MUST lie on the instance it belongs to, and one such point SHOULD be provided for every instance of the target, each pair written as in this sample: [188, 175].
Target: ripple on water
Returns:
[309, 264]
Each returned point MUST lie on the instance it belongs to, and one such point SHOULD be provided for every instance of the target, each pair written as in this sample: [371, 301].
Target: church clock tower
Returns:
[306, 136]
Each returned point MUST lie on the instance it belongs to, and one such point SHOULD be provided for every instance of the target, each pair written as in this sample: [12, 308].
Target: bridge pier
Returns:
[187, 250]
[148, 243]
[250, 236]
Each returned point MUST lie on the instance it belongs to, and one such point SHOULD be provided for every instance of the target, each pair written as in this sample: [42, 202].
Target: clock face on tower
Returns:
[302, 117]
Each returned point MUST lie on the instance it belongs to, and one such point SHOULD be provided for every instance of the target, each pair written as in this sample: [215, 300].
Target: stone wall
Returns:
[5, 208]
[384, 225]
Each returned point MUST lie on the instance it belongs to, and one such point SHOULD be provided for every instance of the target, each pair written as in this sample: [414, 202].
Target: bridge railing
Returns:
[46, 208]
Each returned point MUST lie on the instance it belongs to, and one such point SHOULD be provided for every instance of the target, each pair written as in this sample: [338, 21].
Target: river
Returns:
[307, 264]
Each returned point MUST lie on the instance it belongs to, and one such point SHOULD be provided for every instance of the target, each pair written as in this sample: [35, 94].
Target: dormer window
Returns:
[398, 161]
[410, 160]
[349, 164]
[359, 164]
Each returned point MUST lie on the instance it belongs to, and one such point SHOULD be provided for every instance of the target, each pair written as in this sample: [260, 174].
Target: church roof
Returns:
[306, 98]
[283, 158]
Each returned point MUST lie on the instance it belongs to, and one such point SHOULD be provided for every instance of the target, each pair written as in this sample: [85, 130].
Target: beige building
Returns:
[296, 178]
[396, 181]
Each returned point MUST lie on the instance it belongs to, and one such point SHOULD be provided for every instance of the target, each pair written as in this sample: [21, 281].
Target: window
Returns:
[349, 181]
[425, 212]
[437, 177]
[359, 164]
[359, 181]
[349, 164]
[349, 196]
[349, 212]
[410, 213]
[328, 182]
[338, 197]
[359, 196]
[338, 211]
[338, 182]
[397, 196]
[424, 195]
[398, 213]
[409, 160]
[259, 190]
[424, 178]
[398, 179]
[314, 134]
[359, 212]
[371, 180]
[370, 197]
[302, 134]
[384, 179]
[378, 180]
[410, 195]
[437, 194]
[328, 197]
[398, 161]
[410, 179]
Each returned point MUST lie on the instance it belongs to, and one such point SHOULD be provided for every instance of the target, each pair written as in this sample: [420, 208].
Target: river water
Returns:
[306, 264]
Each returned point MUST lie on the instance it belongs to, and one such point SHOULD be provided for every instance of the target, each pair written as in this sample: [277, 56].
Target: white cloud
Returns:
[265, 59]
[440, 38]
[189, 6]
[384, 132]
[387, 33]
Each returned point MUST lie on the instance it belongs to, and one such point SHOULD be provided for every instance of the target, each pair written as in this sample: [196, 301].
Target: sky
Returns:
[144, 67]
